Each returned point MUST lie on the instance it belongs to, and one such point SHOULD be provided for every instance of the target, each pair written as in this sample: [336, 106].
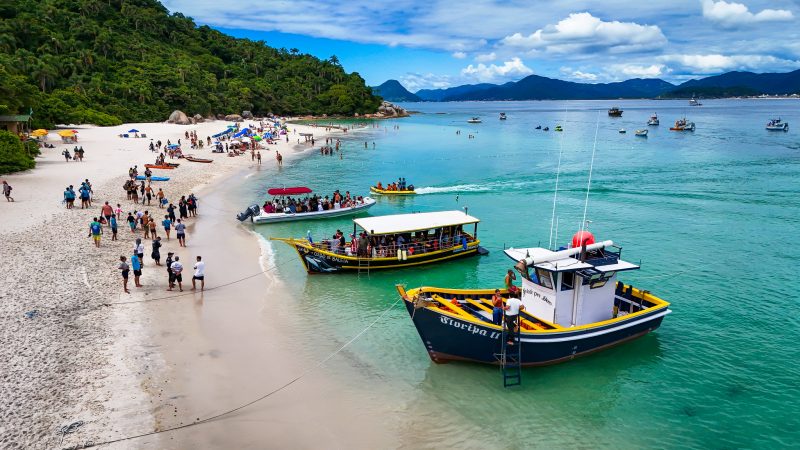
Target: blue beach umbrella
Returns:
[134, 130]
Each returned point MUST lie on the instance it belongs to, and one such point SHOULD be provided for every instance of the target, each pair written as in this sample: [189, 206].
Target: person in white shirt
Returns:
[177, 268]
[199, 274]
[512, 308]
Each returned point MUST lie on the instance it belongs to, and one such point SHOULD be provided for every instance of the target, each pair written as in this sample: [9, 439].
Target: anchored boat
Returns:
[777, 125]
[289, 212]
[615, 112]
[641, 133]
[389, 242]
[653, 121]
[474, 120]
[683, 125]
[503, 116]
[573, 305]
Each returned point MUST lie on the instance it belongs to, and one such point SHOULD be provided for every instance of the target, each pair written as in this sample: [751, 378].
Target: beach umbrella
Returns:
[39, 132]
[133, 130]
[67, 133]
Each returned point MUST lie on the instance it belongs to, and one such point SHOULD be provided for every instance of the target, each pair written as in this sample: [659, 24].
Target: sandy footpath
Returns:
[68, 353]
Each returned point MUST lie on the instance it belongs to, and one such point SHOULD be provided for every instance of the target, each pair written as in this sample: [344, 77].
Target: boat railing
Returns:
[286, 209]
[390, 249]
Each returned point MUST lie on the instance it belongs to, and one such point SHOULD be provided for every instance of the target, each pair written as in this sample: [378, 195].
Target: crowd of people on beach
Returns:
[76, 155]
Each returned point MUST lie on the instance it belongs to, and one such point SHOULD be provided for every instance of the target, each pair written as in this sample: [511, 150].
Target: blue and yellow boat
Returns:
[573, 305]
[377, 190]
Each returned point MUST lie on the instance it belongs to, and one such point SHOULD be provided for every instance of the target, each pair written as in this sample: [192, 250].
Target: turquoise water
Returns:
[711, 215]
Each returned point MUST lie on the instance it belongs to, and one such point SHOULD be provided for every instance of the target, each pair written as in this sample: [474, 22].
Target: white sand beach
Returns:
[77, 349]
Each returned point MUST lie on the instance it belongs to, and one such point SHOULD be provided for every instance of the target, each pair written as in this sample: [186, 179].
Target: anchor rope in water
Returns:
[260, 398]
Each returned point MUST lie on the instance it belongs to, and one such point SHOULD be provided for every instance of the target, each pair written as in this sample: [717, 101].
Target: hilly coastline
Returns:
[108, 62]
[535, 87]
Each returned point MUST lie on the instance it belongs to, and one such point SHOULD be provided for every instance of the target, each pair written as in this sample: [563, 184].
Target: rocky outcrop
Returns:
[198, 118]
[233, 117]
[388, 109]
[179, 117]
[247, 115]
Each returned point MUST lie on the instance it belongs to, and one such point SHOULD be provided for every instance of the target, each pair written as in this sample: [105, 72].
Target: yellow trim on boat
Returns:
[388, 192]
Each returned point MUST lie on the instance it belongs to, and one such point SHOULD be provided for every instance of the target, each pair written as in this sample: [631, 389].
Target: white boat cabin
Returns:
[570, 287]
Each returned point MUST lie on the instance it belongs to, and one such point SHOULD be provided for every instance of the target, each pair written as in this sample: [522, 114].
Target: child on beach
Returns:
[132, 222]
[124, 268]
[113, 224]
[167, 224]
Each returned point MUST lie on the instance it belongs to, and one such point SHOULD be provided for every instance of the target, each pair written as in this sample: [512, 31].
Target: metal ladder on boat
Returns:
[363, 266]
[510, 360]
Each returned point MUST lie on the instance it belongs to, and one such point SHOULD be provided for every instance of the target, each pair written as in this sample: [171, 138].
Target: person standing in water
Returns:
[199, 274]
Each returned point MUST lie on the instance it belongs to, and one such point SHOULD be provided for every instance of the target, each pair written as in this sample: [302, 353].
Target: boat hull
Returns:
[778, 128]
[375, 190]
[316, 215]
[319, 261]
[449, 338]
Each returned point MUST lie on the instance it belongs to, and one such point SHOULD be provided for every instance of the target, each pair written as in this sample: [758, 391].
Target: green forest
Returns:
[112, 61]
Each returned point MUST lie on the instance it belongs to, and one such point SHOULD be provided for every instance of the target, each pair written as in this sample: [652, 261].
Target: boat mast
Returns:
[589, 182]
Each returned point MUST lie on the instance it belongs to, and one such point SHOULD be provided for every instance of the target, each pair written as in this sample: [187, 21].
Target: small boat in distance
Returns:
[474, 120]
[683, 125]
[196, 159]
[502, 116]
[558, 128]
[641, 133]
[622, 131]
[573, 306]
[694, 101]
[777, 125]
[391, 242]
[615, 112]
[287, 212]
[546, 129]
[653, 122]
[538, 127]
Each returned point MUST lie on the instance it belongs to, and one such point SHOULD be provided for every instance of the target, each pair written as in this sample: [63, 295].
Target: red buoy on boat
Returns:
[582, 238]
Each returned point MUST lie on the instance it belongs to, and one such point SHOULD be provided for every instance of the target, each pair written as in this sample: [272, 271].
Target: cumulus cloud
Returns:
[716, 63]
[459, 55]
[581, 32]
[731, 15]
[514, 68]
[486, 57]
[585, 76]
[416, 81]
[639, 71]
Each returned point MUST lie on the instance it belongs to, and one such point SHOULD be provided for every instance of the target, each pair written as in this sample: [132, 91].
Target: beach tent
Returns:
[222, 133]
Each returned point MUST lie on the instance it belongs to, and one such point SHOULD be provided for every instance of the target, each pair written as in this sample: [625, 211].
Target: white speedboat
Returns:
[694, 101]
[777, 125]
[475, 120]
[653, 122]
[257, 214]
[503, 116]
[641, 133]
[622, 131]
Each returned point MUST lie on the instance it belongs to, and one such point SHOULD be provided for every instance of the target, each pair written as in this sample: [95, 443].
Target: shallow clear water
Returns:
[711, 215]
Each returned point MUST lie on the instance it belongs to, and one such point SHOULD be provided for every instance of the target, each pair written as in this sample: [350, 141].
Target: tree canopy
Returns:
[113, 61]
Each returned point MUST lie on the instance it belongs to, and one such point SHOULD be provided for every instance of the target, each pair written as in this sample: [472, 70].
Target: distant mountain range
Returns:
[536, 87]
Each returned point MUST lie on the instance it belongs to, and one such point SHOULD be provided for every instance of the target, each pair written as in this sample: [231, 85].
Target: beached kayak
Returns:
[200, 160]
[387, 192]
[142, 177]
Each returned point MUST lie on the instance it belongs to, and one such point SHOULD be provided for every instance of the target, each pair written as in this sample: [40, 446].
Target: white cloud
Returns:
[731, 15]
[459, 55]
[514, 68]
[716, 63]
[582, 32]
[486, 57]
[585, 76]
[416, 81]
[639, 71]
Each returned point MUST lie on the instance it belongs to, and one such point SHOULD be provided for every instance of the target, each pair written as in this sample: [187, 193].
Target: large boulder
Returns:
[198, 118]
[220, 116]
[179, 117]
[233, 117]
[247, 115]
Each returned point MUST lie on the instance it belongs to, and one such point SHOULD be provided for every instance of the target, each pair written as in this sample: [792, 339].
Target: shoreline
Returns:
[72, 360]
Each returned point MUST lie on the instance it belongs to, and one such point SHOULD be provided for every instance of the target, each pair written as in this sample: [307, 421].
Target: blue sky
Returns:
[437, 43]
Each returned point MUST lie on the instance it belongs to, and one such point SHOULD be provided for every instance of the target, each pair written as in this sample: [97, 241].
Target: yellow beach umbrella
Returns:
[39, 132]
[66, 133]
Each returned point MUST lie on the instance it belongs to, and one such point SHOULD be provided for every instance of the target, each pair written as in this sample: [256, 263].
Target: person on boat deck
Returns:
[512, 308]
[510, 278]
[497, 310]
[380, 186]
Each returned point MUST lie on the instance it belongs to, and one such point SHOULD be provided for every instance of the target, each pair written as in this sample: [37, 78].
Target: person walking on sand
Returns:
[156, 255]
[167, 225]
[160, 198]
[258, 157]
[131, 222]
[177, 268]
[170, 275]
[125, 269]
[180, 230]
[171, 212]
[153, 227]
[136, 263]
[95, 230]
[7, 187]
[107, 211]
[112, 222]
[138, 249]
[199, 274]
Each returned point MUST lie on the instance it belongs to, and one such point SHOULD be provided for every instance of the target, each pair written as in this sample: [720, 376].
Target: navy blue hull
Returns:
[447, 338]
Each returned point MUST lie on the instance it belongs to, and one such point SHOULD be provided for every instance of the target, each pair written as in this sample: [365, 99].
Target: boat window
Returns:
[543, 278]
[567, 281]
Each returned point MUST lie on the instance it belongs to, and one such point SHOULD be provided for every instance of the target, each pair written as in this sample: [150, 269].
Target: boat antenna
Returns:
[591, 167]
[555, 193]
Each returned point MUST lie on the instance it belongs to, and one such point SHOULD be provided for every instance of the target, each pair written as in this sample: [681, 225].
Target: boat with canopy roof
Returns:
[289, 212]
[393, 241]
[573, 305]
